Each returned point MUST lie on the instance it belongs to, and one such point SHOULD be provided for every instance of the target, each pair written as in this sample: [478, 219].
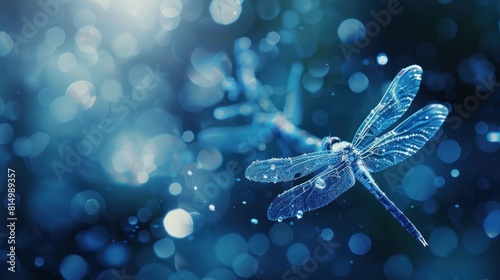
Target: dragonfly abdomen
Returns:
[362, 174]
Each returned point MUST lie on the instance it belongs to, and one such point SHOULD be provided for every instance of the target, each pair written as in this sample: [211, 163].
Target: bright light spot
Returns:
[84, 17]
[111, 90]
[55, 36]
[273, 38]
[209, 68]
[281, 234]
[449, 151]
[358, 82]
[170, 23]
[211, 207]
[327, 234]
[175, 188]
[22, 146]
[164, 248]
[481, 128]
[171, 8]
[122, 161]
[493, 136]
[311, 83]
[63, 109]
[419, 183]
[297, 253]
[382, 59]
[66, 62]
[210, 159]
[225, 12]
[259, 244]
[245, 265]
[351, 31]
[39, 261]
[492, 224]
[188, 136]
[125, 46]
[142, 177]
[6, 133]
[318, 66]
[73, 267]
[92, 206]
[6, 43]
[455, 173]
[229, 246]
[442, 241]
[360, 243]
[132, 220]
[178, 223]
[88, 39]
[439, 181]
[83, 92]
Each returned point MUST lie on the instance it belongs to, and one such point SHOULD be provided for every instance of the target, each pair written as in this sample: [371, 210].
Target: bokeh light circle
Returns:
[178, 223]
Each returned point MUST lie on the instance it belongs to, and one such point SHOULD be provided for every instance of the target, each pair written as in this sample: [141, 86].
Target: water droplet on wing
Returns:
[320, 183]
[299, 214]
[273, 166]
[265, 176]
[274, 179]
[280, 219]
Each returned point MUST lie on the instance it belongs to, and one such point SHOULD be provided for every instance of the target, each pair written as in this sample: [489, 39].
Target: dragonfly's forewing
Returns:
[287, 169]
[393, 105]
[404, 140]
[315, 193]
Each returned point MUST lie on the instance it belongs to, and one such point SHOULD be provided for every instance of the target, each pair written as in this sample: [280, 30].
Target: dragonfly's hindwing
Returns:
[315, 193]
[404, 140]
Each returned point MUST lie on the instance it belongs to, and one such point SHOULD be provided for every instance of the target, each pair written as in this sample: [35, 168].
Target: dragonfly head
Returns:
[328, 143]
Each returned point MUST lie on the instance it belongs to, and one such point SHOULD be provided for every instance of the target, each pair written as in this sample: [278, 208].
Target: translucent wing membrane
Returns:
[404, 140]
[287, 169]
[315, 193]
[393, 105]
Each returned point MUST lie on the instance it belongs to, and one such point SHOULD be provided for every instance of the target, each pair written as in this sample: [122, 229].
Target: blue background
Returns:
[103, 101]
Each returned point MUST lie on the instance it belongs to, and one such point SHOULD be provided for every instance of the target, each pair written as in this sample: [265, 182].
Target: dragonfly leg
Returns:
[366, 179]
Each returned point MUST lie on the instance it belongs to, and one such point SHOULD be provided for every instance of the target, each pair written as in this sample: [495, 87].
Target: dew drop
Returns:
[299, 214]
[265, 176]
[275, 179]
[273, 166]
[280, 219]
[320, 183]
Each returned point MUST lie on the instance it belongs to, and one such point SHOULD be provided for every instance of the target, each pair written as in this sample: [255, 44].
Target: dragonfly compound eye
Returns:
[329, 142]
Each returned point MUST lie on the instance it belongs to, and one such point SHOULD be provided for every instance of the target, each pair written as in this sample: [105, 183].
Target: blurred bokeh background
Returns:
[129, 125]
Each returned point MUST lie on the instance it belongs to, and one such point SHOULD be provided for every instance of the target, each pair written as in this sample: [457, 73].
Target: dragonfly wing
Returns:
[393, 105]
[404, 140]
[287, 169]
[315, 193]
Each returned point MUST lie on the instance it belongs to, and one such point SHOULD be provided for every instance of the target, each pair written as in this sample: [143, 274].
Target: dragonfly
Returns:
[342, 163]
